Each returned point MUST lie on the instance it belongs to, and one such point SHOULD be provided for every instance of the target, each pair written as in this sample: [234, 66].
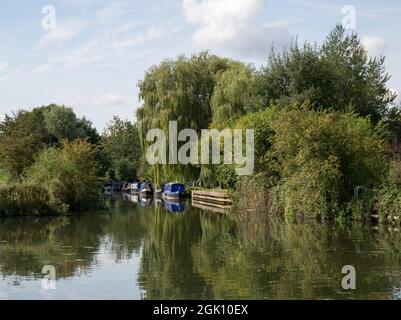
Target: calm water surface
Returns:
[149, 251]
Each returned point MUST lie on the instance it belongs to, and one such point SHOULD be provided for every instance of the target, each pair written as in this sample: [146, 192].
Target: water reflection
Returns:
[174, 206]
[135, 251]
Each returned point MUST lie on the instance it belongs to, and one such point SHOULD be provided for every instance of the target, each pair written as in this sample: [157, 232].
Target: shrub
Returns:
[389, 196]
[70, 174]
[322, 156]
[21, 199]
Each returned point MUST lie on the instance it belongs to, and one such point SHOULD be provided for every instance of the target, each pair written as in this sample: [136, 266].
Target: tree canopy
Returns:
[120, 144]
[24, 133]
[339, 75]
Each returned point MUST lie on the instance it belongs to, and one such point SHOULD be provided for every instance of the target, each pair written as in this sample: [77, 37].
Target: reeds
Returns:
[25, 200]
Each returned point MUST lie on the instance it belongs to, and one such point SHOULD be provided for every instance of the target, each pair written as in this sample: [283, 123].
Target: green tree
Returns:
[22, 135]
[120, 143]
[62, 123]
[179, 90]
[338, 75]
[234, 94]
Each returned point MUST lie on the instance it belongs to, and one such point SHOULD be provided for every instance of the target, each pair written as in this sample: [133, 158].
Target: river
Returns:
[162, 251]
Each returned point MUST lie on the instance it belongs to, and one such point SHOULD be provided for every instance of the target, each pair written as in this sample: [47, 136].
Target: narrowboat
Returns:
[126, 187]
[174, 191]
[146, 190]
[135, 188]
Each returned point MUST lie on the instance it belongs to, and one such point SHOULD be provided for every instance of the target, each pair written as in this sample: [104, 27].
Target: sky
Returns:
[90, 55]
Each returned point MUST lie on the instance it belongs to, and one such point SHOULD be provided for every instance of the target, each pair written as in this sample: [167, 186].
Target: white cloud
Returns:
[113, 100]
[233, 25]
[3, 66]
[374, 45]
[64, 31]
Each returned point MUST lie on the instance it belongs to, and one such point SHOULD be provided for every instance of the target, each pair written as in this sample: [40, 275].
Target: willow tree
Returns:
[235, 94]
[178, 90]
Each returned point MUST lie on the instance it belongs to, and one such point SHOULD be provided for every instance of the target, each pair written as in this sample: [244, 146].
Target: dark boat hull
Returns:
[146, 194]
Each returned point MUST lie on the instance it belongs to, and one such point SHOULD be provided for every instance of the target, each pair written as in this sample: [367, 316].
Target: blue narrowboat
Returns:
[174, 191]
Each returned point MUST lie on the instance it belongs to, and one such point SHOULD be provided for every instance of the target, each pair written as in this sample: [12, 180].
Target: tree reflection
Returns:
[200, 255]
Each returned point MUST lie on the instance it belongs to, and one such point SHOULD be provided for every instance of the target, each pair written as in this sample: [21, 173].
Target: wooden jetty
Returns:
[212, 200]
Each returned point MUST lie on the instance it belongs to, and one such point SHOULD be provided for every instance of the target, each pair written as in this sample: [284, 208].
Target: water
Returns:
[143, 251]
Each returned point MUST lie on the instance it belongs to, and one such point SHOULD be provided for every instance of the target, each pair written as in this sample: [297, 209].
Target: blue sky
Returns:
[99, 50]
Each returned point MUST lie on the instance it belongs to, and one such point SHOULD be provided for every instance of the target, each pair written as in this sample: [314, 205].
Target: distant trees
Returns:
[121, 146]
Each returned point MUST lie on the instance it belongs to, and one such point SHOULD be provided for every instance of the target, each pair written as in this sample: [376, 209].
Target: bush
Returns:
[70, 174]
[389, 196]
[322, 156]
[21, 199]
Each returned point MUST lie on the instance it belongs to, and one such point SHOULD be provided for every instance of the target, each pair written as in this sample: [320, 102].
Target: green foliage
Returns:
[339, 75]
[179, 90]
[361, 207]
[389, 195]
[21, 200]
[233, 94]
[322, 156]
[25, 133]
[121, 145]
[61, 122]
[3, 175]
[22, 135]
[70, 174]
[261, 123]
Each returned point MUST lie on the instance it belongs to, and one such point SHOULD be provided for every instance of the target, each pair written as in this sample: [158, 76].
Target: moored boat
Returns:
[173, 191]
[158, 192]
[146, 190]
[135, 188]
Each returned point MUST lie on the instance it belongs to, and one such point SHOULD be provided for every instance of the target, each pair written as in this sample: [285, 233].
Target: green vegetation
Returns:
[69, 174]
[19, 199]
[322, 156]
[25, 133]
[325, 123]
[3, 175]
[389, 195]
[121, 148]
[50, 151]
[323, 117]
